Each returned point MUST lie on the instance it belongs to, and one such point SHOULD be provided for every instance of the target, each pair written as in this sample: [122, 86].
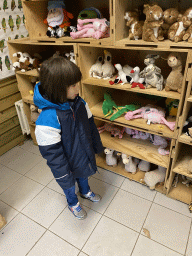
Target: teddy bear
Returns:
[170, 16]
[35, 112]
[175, 78]
[136, 26]
[178, 29]
[152, 31]
[57, 19]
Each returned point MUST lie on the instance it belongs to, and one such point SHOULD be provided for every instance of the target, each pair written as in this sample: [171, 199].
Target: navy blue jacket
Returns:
[68, 138]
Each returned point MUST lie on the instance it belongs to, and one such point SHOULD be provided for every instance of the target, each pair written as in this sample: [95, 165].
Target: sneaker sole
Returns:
[79, 218]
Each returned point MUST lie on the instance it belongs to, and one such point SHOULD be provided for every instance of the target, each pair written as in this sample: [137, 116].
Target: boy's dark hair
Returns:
[56, 75]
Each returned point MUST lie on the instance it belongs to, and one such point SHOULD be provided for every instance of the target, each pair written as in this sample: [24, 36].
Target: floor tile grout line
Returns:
[11, 185]
[36, 243]
[190, 233]
[98, 221]
[108, 182]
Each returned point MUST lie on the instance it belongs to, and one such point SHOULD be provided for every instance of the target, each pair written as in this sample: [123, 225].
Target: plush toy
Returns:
[113, 129]
[107, 68]
[3, 222]
[136, 79]
[122, 109]
[136, 26]
[89, 13]
[152, 30]
[111, 158]
[151, 114]
[153, 78]
[150, 59]
[144, 166]
[172, 106]
[188, 35]
[96, 28]
[96, 69]
[130, 165]
[178, 29]
[35, 112]
[170, 16]
[122, 75]
[153, 177]
[188, 127]
[175, 79]
[57, 19]
[108, 105]
[71, 56]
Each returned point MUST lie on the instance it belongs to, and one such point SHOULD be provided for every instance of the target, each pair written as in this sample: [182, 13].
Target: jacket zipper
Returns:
[73, 113]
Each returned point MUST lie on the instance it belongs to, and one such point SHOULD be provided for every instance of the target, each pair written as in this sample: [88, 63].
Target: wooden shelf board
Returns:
[29, 73]
[165, 45]
[141, 149]
[119, 169]
[181, 193]
[181, 166]
[158, 129]
[185, 139]
[28, 99]
[127, 87]
[190, 98]
[64, 40]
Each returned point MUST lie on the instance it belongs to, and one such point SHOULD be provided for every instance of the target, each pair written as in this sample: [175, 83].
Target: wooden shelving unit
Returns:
[123, 51]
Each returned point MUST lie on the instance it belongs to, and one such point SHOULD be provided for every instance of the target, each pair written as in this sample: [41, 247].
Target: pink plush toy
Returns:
[114, 130]
[97, 28]
[151, 114]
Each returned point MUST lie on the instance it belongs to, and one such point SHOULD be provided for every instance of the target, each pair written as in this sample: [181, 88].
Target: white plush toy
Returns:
[153, 177]
[122, 75]
[96, 69]
[144, 166]
[135, 76]
[111, 159]
[108, 68]
[130, 165]
[71, 56]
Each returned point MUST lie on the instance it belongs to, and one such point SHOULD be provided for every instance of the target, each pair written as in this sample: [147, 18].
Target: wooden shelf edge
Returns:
[185, 139]
[28, 99]
[127, 87]
[181, 193]
[28, 73]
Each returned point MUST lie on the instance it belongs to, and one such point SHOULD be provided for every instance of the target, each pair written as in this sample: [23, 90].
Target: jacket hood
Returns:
[42, 103]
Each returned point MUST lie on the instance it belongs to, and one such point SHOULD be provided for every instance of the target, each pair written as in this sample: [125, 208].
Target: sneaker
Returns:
[91, 196]
[78, 211]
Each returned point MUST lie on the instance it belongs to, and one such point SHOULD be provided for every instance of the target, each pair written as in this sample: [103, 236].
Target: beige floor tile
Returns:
[110, 239]
[138, 189]
[167, 227]
[106, 191]
[129, 210]
[21, 193]
[19, 236]
[109, 177]
[189, 246]
[45, 207]
[73, 230]
[172, 204]
[7, 177]
[31, 147]
[7, 212]
[50, 244]
[41, 173]
[55, 186]
[148, 247]
[20, 160]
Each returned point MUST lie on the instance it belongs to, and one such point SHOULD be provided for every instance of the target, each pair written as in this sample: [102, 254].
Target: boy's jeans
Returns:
[70, 192]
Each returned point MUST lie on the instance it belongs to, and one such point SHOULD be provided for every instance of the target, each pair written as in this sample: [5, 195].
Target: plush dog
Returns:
[136, 26]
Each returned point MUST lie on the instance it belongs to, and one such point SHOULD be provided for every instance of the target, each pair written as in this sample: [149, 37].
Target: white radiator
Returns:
[22, 117]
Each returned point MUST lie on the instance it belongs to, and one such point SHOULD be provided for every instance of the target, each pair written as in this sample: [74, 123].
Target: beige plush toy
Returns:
[175, 78]
[35, 112]
[170, 16]
[152, 31]
[188, 35]
[3, 222]
[108, 69]
[178, 29]
[136, 26]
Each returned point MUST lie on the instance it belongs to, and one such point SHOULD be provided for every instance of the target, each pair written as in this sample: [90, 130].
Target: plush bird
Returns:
[122, 75]
[107, 68]
[136, 79]
[96, 69]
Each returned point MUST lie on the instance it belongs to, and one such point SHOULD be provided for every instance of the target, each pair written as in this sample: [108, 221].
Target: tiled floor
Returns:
[40, 224]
